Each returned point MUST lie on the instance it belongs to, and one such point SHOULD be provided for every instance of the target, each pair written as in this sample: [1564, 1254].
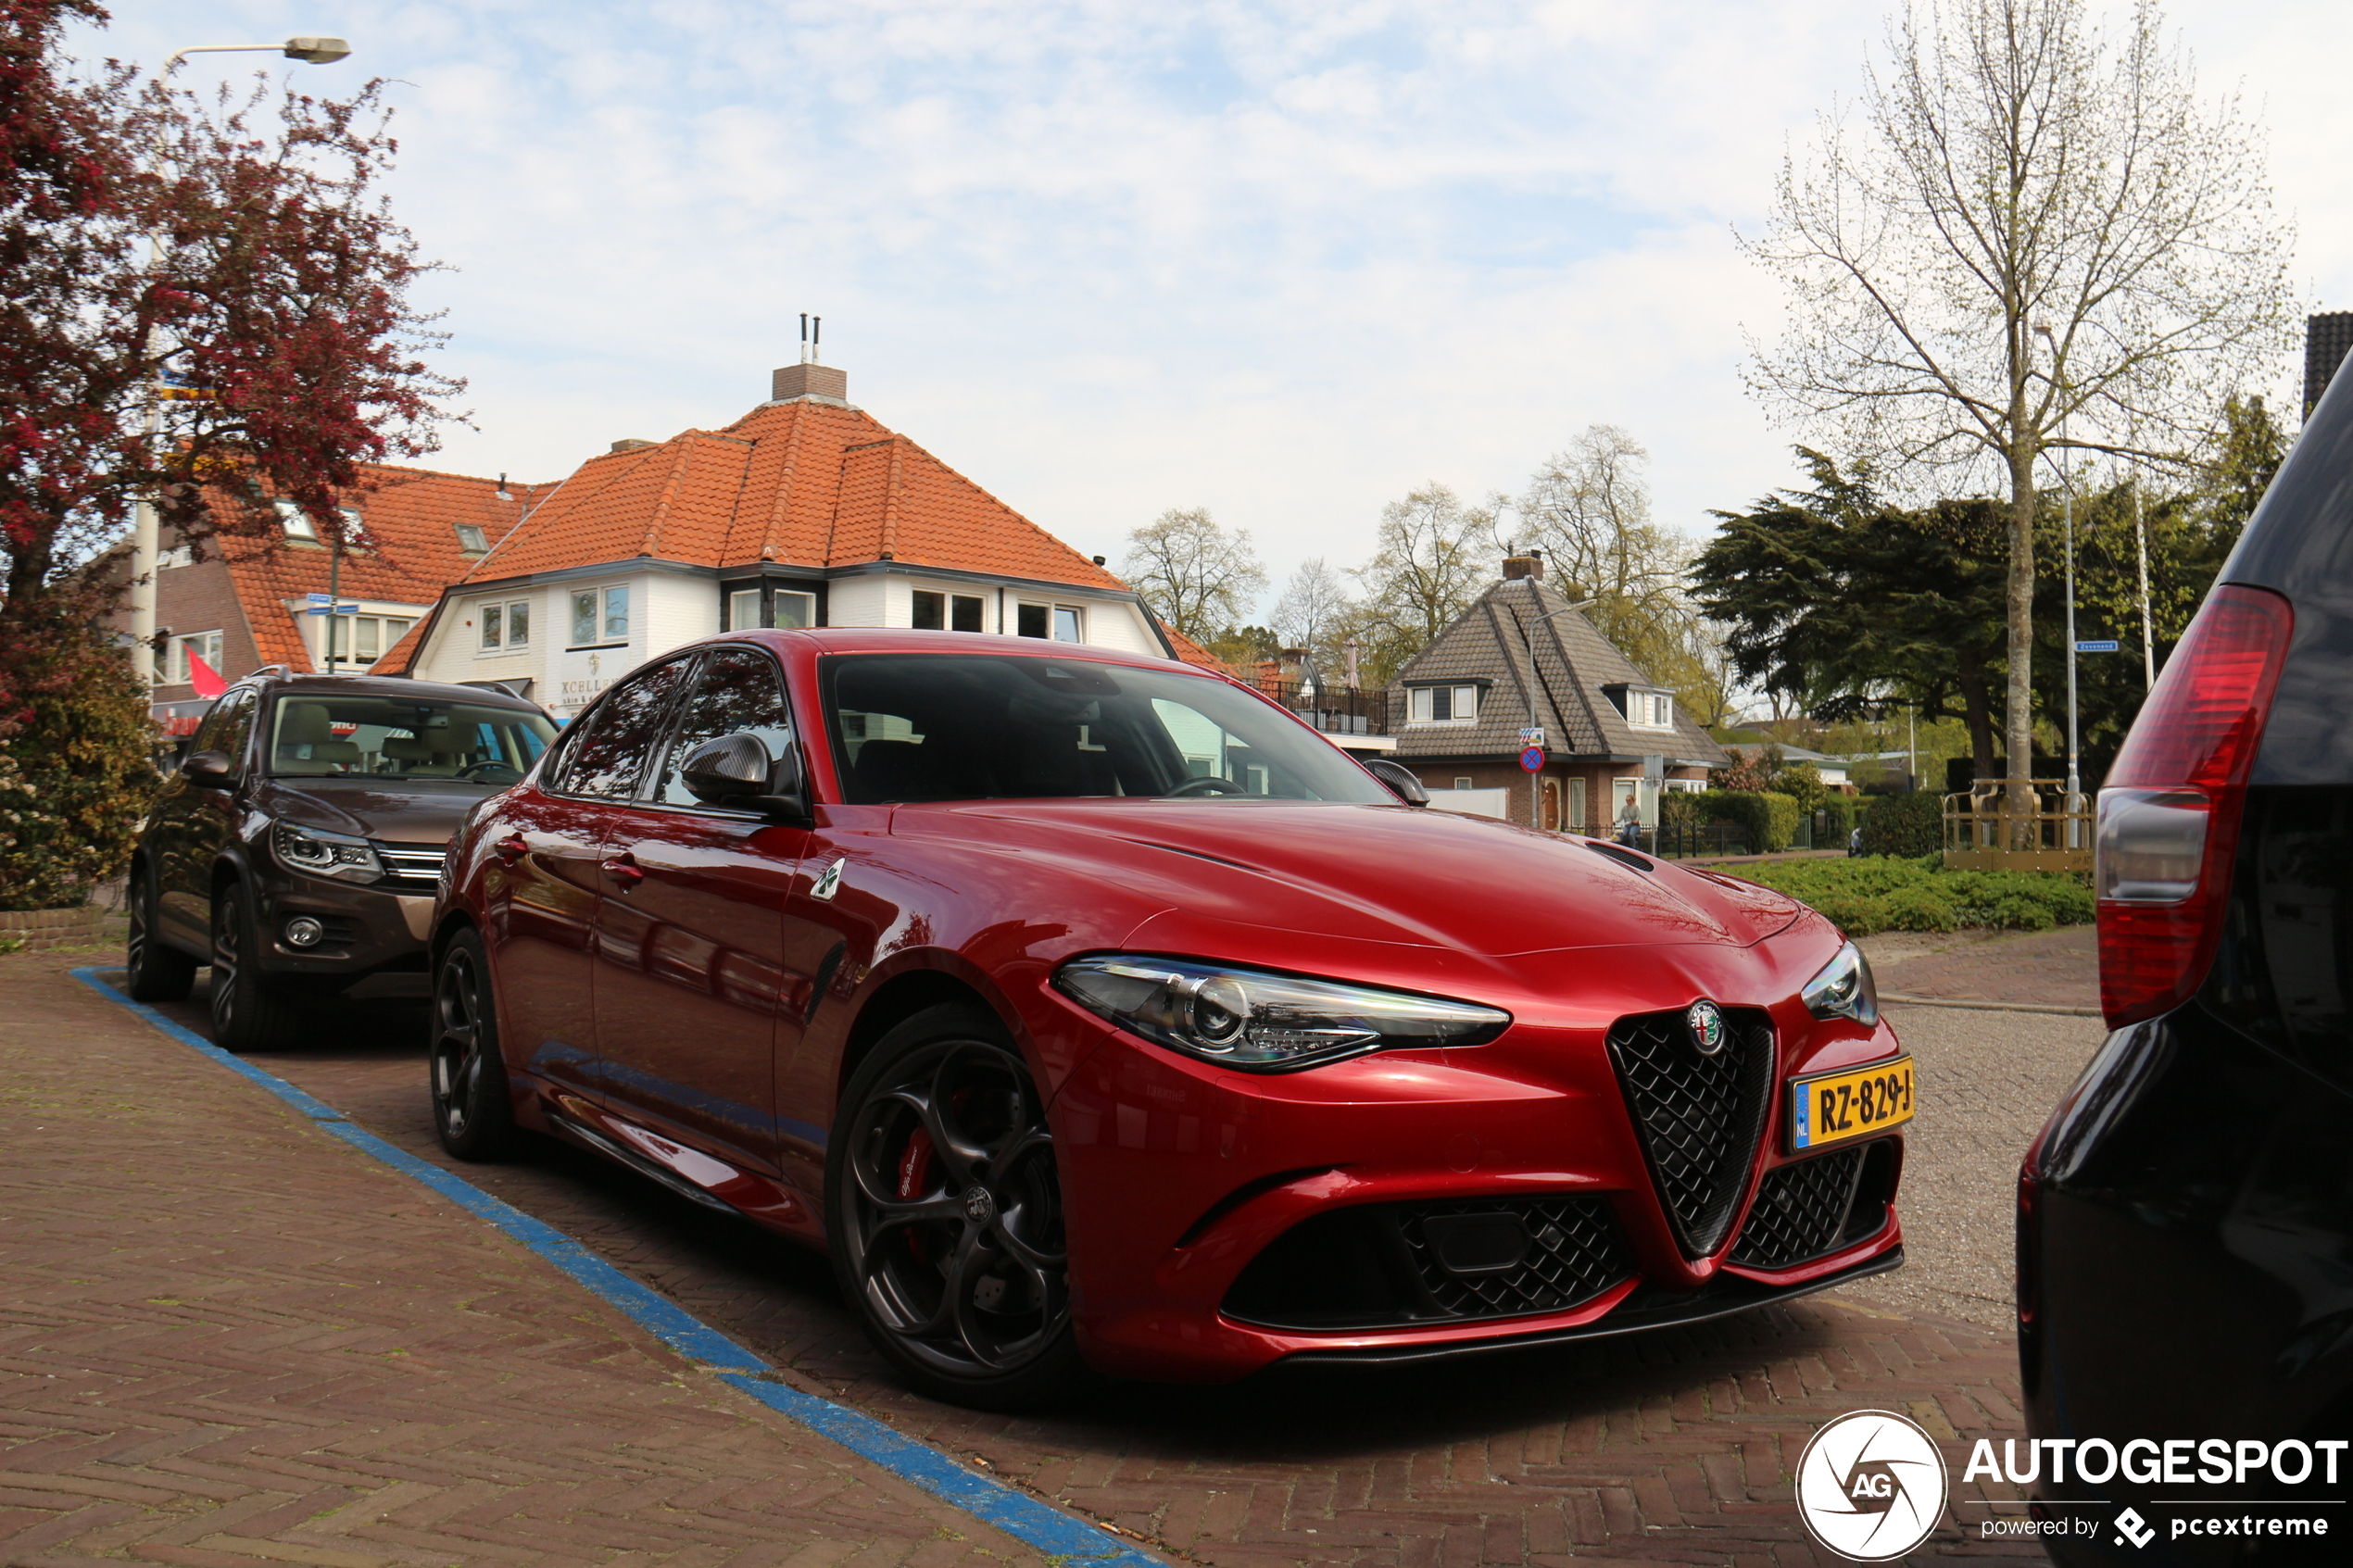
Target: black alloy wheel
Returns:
[946, 1215]
[471, 1111]
[247, 1013]
[153, 970]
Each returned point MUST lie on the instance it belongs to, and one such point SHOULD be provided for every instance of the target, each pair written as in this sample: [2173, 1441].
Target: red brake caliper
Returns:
[914, 1175]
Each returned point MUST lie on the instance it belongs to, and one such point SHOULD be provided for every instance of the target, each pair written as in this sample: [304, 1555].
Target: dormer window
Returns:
[1645, 707]
[1443, 705]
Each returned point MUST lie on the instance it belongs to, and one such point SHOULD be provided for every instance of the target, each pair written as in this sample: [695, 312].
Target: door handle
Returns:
[510, 849]
[625, 871]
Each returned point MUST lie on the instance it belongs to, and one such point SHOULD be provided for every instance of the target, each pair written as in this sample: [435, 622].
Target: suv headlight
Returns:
[319, 853]
[1263, 1023]
[1844, 988]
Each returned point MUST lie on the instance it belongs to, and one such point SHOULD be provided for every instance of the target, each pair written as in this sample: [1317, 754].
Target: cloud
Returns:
[1281, 259]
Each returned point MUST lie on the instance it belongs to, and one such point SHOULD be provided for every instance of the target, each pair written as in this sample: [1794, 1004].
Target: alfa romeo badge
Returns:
[1707, 1021]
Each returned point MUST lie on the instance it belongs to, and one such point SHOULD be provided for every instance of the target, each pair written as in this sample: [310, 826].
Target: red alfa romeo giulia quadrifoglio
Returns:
[1096, 1013]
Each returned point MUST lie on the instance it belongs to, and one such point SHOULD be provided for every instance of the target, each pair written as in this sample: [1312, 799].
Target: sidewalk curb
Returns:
[1892, 998]
[1039, 1523]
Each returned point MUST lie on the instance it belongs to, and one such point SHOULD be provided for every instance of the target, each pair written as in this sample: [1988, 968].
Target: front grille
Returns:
[1699, 1117]
[1384, 1265]
[1814, 1206]
[415, 868]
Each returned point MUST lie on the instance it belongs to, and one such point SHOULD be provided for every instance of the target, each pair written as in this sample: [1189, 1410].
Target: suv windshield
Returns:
[395, 737]
[977, 727]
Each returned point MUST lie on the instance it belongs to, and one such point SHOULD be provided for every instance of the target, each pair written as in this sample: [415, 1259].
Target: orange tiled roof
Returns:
[801, 483]
[1192, 652]
[410, 518]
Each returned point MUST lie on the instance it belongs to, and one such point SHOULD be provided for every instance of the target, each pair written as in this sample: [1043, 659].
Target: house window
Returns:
[1030, 621]
[1461, 784]
[963, 612]
[947, 612]
[504, 625]
[600, 615]
[471, 539]
[784, 611]
[204, 644]
[1444, 705]
[931, 612]
[1068, 628]
[296, 522]
[1651, 710]
[1576, 805]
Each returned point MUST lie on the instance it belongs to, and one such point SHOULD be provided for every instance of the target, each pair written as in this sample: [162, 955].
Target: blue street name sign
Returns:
[2103, 644]
[323, 608]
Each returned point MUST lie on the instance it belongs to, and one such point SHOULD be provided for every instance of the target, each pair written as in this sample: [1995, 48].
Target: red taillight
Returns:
[2168, 817]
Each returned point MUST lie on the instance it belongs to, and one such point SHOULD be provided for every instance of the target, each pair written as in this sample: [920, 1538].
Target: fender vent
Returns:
[1699, 1117]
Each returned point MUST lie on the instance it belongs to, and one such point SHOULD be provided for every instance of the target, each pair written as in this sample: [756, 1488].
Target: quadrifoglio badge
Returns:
[1871, 1487]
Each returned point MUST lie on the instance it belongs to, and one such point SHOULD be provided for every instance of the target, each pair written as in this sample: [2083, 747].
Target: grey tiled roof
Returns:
[1560, 691]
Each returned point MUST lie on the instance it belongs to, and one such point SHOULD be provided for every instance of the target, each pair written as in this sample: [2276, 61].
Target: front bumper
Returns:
[374, 941]
[1220, 1220]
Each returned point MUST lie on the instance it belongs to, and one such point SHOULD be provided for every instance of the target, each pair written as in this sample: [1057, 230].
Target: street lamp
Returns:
[311, 51]
[2074, 776]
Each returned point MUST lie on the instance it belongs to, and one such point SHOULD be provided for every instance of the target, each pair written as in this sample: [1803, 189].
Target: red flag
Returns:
[204, 677]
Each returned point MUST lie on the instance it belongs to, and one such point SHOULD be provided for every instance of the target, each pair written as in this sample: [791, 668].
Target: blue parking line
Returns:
[1042, 1525]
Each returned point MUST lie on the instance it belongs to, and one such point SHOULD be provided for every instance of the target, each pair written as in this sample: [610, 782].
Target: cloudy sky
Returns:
[1282, 260]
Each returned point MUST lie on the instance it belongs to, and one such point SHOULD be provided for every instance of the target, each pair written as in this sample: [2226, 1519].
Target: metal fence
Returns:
[1685, 841]
[1335, 712]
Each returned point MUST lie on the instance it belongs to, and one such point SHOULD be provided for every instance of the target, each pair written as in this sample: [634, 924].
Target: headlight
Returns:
[320, 853]
[1265, 1022]
[1844, 988]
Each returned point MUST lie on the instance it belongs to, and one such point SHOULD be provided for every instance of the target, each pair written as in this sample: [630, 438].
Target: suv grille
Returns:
[1393, 1264]
[1699, 1117]
[415, 868]
[1813, 1207]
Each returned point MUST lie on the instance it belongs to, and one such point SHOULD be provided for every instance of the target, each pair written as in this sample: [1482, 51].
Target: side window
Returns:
[609, 754]
[228, 727]
[738, 694]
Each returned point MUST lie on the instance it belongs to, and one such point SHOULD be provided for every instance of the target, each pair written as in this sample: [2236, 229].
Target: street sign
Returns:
[331, 609]
[2102, 645]
[1532, 737]
[1532, 760]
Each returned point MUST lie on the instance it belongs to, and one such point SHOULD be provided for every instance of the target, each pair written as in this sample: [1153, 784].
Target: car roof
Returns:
[393, 686]
[887, 639]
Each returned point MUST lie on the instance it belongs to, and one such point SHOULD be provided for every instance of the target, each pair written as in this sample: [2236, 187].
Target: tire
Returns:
[944, 1208]
[472, 1110]
[154, 970]
[247, 1013]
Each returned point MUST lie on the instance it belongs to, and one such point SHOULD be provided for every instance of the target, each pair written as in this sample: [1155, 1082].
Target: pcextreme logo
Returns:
[1870, 1486]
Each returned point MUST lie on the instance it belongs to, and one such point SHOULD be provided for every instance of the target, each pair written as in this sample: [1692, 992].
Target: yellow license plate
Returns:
[1840, 1106]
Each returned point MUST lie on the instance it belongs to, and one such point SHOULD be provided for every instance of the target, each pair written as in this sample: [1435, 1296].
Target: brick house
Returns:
[807, 511]
[1521, 659]
[239, 599]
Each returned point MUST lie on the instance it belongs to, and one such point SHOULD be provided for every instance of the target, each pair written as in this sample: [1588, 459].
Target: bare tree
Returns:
[1311, 602]
[1589, 510]
[1430, 564]
[1195, 576]
[2016, 170]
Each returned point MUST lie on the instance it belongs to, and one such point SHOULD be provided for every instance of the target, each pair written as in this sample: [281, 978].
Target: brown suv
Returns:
[298, 849]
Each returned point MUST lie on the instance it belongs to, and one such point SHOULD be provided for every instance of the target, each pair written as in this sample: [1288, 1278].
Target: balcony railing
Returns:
[1334, 711]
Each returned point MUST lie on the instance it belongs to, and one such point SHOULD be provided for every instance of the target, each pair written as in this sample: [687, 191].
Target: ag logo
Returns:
[1708, 1029]
[1870, 1486]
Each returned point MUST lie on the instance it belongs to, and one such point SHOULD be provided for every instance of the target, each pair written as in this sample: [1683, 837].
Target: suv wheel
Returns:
[472, 1110]
[155, 971]
[946, 1215]
[247, 1015]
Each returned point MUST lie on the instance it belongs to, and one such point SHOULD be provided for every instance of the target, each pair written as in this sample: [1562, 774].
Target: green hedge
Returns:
[1905, 826]
[1771, 819]
[1887, 892]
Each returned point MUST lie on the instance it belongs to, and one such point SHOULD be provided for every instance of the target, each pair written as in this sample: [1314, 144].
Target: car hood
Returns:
[1383, 873]
[397, 811]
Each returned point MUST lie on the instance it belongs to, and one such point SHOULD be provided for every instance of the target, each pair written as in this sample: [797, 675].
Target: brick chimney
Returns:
[1527, 563]
[809, 380]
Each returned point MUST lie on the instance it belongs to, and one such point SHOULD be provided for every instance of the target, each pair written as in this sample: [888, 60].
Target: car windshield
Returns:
[400, 738]
[975, 727]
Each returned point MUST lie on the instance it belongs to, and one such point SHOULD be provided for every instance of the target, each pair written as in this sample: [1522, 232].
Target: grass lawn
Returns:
[1881, 893]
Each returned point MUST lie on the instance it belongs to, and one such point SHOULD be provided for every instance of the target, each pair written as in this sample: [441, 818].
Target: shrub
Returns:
[1887, 892]
[75, 769]
[1905, 826]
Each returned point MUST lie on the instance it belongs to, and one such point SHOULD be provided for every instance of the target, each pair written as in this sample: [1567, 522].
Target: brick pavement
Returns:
[1671, 1447]
[2044, 968]
[229, 1339]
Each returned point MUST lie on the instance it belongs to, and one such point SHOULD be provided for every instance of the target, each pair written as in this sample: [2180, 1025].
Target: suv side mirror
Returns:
[736, 770]
[1400, 779]
[209, 770]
